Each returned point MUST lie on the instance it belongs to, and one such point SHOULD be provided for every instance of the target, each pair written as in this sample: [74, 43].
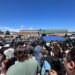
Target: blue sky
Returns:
[37, 14]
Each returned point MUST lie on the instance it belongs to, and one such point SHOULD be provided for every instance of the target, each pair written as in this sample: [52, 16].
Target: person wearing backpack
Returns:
[45, 66]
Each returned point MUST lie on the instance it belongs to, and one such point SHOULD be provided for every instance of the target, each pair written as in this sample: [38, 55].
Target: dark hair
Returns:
[20, 53]
[4, 57]
[8, 63]
[19, 43]
[71, 55]
[56, 50]
[30, 51]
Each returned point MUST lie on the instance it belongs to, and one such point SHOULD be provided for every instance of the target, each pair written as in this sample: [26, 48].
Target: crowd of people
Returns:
[38, 58]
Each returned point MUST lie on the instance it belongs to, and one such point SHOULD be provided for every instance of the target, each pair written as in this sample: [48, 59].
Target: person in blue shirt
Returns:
[46, 67]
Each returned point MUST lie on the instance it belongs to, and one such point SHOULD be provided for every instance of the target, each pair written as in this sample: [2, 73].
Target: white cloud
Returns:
[8, 28]
[30, 28]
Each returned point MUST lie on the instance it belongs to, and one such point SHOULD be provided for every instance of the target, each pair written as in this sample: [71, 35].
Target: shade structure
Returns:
[53, 38]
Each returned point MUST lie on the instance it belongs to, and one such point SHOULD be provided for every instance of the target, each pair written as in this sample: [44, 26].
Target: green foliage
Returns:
[7, 33]
[1, 32]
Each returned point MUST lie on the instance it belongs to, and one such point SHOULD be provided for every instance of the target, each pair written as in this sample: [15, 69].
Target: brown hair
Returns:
[56, 50]
[71, 55]
[8, 63]
[21, 53]
[44, 52]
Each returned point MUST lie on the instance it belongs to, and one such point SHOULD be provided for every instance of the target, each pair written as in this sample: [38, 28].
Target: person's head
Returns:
[69, 61]
[56, 50]
[44, 52]
[7, 63]
[30, 52]
[29, 45]
[53, 72]
[20, 52]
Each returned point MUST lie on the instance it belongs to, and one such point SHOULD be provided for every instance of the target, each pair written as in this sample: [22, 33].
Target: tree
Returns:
[1, 32]
[7, 33]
